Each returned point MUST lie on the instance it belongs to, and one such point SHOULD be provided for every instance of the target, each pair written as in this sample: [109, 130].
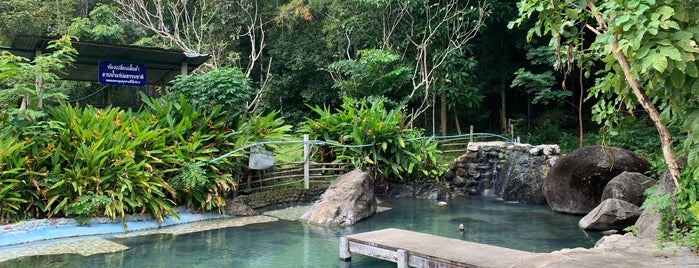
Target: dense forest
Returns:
[574, 73]
[453, 64]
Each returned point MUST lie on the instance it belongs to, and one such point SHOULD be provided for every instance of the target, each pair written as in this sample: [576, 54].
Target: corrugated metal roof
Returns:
[161, 65]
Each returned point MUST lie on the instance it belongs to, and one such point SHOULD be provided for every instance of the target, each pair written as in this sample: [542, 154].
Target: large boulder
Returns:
[611, 214]
[576, 181]
[628, 186]
[347, 200]
[648, 223]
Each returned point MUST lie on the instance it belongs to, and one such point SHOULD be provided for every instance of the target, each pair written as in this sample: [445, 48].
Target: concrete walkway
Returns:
[48, 229]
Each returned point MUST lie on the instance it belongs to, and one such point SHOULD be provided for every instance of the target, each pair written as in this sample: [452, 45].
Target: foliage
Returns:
[102, 26]
[649, 51]
[87, 206]
[36, 17]
[459, 84]
[540, 84]
[225, 87]
[371, 137]
[19, 77]
[192, 177]
[12, 177]
[191, 135]
[98, 154]
[376, 73]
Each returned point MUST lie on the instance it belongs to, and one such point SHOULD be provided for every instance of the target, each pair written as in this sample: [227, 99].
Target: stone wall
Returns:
[511, 171]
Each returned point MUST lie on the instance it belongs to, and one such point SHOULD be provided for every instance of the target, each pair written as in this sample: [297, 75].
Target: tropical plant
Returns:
[365, 134]
[225, 87]
[12, 177]
[98, 159]
[28, 82]
[192, 136]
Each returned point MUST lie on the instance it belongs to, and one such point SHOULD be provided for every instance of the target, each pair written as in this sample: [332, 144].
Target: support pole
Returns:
[402, 258]
[183, 68]
[306, 162]
[345, 254]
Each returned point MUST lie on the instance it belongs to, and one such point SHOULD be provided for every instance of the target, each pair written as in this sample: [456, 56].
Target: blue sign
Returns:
[122, 73]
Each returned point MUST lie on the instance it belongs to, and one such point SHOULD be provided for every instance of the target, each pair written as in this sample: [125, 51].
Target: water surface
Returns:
[294, 244]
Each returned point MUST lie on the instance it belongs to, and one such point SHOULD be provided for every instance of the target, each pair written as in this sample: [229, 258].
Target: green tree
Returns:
[35, 17]
[376, 73]
[649, 51]
[27, 81]
[101, 26]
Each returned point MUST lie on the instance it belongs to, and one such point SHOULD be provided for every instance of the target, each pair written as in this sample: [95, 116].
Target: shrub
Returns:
[370, 137]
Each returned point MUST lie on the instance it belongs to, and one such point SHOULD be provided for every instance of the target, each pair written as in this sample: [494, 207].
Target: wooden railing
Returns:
[291, 175]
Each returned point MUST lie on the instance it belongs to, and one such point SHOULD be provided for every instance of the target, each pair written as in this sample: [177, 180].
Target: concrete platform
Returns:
[413, 249]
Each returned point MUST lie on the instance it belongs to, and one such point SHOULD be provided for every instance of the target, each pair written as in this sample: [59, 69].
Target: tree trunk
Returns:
[665, 136]
[503, 117]
[443, 113]
[25, 101]
[580, 103]
[434, 114]
[456, 121]
[39, 85]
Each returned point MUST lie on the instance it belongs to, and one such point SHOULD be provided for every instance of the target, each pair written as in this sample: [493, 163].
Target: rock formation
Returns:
[628, 186]
[647, 224]
[347, 200]
[511, 171]
[611, 214]
[576, 182]
[239, 209]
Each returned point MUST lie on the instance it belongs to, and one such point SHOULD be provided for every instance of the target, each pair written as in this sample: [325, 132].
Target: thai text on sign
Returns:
[122, 73]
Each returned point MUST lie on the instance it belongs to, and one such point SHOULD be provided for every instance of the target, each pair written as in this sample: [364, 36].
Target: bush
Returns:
[372, 138]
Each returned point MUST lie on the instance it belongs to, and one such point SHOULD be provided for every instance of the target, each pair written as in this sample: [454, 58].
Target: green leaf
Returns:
[677, 77]
[666, 12]
[691, 69]
[572, 13]
[658, 62]
[671, 52]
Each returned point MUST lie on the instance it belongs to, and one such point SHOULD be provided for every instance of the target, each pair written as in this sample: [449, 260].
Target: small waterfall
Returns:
[488, 191]
[521, 179]
[510, 172]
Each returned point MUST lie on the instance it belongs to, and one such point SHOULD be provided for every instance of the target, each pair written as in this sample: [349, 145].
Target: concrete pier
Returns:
[413, 249]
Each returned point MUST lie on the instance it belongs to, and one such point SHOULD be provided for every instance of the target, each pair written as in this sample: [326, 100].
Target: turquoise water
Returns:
[294, 244]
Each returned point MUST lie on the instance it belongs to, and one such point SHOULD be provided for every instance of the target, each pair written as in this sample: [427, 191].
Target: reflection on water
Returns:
[294, 244]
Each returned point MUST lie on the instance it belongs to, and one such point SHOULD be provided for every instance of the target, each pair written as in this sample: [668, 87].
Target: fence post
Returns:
[306, 161]
[470, 137]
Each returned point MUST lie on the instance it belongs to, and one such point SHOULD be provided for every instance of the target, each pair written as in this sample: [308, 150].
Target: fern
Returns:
[191, 178]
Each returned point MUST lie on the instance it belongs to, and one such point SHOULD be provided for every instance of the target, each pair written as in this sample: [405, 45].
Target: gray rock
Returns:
[576, 182]
[239, 209]
[628, 186]
[521, 178]
[459, 181]
[347, 200]
[611, 214]
[431, 191]
[649, 221]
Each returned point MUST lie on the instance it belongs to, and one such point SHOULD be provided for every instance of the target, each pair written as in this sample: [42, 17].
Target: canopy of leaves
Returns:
[225, 87]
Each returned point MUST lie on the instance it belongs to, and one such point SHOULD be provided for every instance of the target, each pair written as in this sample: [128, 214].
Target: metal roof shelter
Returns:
[161, 65]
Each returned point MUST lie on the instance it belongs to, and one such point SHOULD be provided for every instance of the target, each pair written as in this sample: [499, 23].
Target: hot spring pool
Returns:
[285, 243]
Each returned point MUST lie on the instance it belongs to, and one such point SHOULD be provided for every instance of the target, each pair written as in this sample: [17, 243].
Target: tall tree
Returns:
[649, 48]
[438, 31]
[35, 17]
